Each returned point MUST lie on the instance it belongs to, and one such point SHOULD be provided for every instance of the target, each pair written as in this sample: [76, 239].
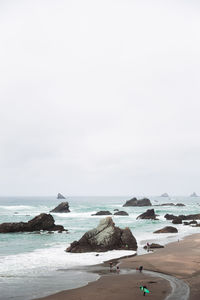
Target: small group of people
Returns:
[111, 267]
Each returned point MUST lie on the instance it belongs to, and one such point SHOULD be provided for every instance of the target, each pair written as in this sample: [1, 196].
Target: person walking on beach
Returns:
[140, 268]
[148, 247]
[117, 269]
[144, 289]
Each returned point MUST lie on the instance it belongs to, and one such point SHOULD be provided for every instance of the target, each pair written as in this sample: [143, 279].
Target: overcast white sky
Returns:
[99, 97]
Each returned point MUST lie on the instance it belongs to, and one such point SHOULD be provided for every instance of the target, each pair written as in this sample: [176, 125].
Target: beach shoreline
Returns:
[180, 259]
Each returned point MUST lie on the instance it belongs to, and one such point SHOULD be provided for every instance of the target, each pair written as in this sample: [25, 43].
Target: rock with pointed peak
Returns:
[60, 196]
[106, 236]
[63, 207]
[149, 214]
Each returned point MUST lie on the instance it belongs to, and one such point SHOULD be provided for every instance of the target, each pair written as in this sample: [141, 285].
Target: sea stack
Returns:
[106, 236]
[61, 208]
[164, 195]
[194, 195]
[135, 202]
[60, 196]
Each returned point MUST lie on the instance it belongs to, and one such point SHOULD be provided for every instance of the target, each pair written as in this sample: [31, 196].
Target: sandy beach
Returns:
[180, 259]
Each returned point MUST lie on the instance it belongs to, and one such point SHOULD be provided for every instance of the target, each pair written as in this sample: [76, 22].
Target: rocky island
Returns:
[61, 208]
[106, 236]
[135, 202]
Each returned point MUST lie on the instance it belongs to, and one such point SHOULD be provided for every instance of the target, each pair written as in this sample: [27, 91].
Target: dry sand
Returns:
[180, 259]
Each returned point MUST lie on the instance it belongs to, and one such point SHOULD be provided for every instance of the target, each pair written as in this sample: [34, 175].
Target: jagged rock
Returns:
[177, 220]
[167, 229]
[164, 195]
[149, 214]
[135, 202]
[61, 208]
[102, 213]
[170, 217]
[194, 195]
[40, 222]
[154, 246]
[106, 236]
[121, 213]
[60, 196]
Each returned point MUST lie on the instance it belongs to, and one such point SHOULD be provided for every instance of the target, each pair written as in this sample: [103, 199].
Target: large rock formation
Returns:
[121, 213]
[61, 208]
[135, 202]
[106, 236]
[102, 213]
[177, 220]
[60, 196]
[40, 222]
[167, 229]
[170, 217]
[149, 214]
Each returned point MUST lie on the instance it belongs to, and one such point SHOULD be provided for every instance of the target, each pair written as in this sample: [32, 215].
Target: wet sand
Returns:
[180, 259]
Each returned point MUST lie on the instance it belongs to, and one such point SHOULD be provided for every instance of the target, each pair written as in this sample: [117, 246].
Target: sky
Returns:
[99, 97]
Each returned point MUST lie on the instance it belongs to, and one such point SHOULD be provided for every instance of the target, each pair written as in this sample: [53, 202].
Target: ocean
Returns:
[35, 264]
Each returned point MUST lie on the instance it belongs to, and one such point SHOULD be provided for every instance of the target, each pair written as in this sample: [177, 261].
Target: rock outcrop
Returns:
[154, 246]
[61, 208]
[149, 214]
[121, 213]
[167, 229]
[40, 222]
[60, 196]
[172, 204]
[106, 236]
[177, 220]
[183, 217]
[102, 213]
[135, 202]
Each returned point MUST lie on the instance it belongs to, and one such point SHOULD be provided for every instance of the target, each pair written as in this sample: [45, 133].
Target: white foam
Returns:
[42, 260]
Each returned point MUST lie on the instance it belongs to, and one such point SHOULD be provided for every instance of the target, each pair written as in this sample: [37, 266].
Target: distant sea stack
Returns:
[61, 208]
[135, 202]
[165, 195]
[106, 236]
[60, 196]
[194, 195]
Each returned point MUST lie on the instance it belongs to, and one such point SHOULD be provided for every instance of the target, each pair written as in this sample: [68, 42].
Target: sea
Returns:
[35, 264]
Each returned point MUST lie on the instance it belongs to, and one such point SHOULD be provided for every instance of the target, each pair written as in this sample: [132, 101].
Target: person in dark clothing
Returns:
[140, 268]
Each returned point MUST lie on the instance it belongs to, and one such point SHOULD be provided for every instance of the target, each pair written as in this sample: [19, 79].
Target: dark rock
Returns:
[170, 217]
[180, 204]
[194, 195]
[61, 208]
[121, 213]
[116, 209]
[154, 246]
[167, 229]
[102, 213]
[60, 196]
[149, 214]
[165, 195]
[185, 223]
[106, 236]
[192, 222]
[177, 220]
[168, 204]
[135, 202]
[190, 217]
[40, 222]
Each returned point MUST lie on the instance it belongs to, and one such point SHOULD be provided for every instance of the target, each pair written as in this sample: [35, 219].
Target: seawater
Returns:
[35, 264]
